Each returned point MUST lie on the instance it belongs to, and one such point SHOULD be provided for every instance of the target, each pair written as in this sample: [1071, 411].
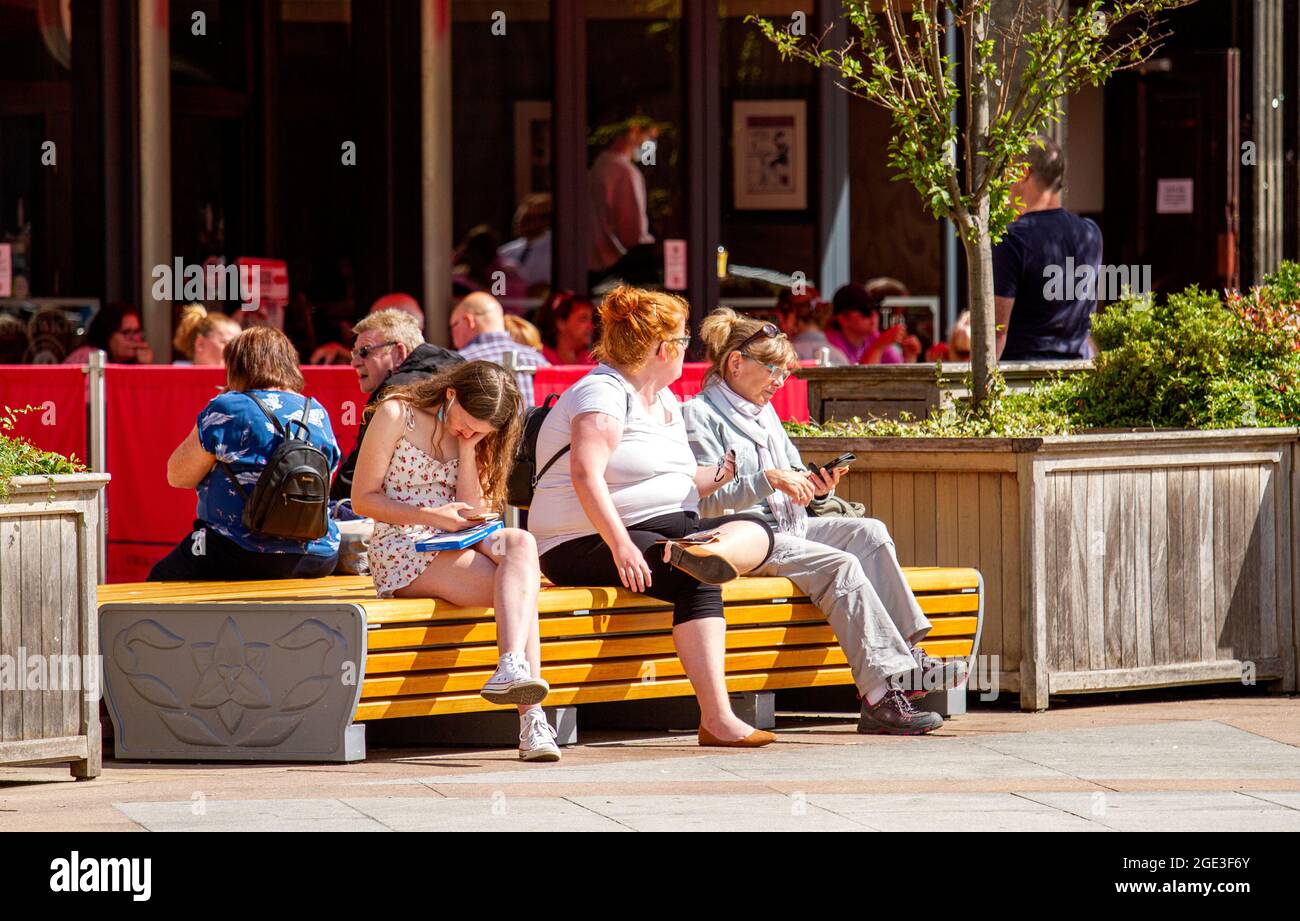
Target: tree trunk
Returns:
[979, 278]
[975, 236]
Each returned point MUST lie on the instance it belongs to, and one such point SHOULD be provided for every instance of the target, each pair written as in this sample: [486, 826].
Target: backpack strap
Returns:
[565, 450]
[279, 427]
[556, 456]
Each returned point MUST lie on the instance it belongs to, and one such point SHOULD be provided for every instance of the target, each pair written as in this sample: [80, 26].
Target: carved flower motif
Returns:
[230, 676]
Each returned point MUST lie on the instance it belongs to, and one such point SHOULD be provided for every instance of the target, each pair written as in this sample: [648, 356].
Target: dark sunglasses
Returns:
[364, 352]
[766, 331]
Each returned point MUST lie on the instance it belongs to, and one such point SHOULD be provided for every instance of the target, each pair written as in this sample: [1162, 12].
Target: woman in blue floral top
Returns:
[233, 430]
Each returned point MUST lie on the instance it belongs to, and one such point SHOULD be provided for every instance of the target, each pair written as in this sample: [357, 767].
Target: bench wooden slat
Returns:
[435, 705]
[359, 590]
[574, 673]
[624, 669]
[379, 663]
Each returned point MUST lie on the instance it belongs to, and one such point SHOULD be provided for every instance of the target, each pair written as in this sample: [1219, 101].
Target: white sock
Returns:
[876, 694]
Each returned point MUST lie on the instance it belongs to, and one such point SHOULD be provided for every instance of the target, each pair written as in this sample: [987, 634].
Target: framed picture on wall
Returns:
[532, 147]
[769, 154]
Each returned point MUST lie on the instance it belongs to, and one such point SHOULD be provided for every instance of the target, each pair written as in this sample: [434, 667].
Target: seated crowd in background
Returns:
[478, 330]
[202, 335]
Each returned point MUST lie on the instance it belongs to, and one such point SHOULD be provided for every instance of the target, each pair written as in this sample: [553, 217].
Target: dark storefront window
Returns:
[214, 189]
[502, 114]
[314, 195]
[770, 154]
[36, 110]
[636, 110]
[264, 100]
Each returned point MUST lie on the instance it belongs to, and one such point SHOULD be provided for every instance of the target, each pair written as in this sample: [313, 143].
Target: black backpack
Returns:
[290, 499]
[524, 474]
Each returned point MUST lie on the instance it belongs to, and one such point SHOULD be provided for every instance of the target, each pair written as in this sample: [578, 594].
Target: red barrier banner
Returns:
[151, 409]
[790, 402]
[58, 393]
[336, 389]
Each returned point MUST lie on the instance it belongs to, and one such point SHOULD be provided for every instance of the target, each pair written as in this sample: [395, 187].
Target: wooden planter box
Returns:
[49, 643]
[1110, 561]
[886, 390]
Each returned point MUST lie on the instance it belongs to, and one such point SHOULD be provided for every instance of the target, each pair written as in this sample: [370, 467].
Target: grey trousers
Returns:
[848, 568]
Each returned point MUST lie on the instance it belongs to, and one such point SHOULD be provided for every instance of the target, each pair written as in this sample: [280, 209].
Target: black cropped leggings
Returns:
[589, 561]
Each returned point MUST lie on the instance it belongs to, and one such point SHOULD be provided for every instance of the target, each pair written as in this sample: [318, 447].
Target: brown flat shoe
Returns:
[702, 563]
[756, 739]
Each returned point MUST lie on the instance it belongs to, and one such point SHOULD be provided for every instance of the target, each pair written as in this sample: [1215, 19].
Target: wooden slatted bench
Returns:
[424, 657]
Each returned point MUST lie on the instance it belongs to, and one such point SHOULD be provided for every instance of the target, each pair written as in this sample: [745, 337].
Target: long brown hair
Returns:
[489, 393]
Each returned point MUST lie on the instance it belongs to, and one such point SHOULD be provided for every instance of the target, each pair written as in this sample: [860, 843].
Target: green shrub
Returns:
[1003, 415]
[1191, 361]
[19, 457]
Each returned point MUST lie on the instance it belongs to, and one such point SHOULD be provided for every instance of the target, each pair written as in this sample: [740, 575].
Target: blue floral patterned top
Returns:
[236, 431]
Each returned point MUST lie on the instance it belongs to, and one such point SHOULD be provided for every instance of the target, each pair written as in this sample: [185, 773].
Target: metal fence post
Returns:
[510, 361]
[98, 447]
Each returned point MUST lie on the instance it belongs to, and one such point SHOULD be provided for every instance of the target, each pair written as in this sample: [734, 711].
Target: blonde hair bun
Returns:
[716, 330]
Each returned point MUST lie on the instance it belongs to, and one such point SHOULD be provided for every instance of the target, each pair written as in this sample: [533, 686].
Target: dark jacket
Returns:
[423, 363]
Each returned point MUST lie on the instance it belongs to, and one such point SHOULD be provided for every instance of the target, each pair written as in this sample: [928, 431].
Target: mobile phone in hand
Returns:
[843, 460]
[483, 516]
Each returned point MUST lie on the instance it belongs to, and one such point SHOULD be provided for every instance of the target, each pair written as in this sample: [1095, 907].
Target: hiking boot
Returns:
[894, 715]
[930, 675]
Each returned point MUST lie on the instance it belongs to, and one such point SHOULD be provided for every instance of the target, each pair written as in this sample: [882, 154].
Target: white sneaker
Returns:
[513, 683]
[537, 738]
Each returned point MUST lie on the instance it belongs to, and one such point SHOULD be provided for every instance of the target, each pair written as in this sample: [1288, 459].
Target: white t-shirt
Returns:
[650, 473]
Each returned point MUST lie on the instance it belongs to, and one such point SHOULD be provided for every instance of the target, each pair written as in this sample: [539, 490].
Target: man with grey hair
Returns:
[478, 329]
[1038, 320]
[389, 351]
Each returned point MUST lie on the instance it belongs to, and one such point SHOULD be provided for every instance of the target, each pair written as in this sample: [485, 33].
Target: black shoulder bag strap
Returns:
[565, 450]
[279, 427]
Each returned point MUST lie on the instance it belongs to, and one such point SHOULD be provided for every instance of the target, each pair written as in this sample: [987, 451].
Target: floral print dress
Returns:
[415, 478]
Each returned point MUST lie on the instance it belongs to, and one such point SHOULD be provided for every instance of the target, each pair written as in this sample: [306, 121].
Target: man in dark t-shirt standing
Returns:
[1044, 302]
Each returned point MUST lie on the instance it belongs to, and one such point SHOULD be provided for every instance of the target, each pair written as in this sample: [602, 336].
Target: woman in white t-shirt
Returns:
[613, 506]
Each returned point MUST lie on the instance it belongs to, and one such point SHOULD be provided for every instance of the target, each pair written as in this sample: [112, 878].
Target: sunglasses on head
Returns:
[766, 331]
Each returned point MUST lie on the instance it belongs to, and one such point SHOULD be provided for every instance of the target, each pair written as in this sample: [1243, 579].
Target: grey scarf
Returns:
[761, 425]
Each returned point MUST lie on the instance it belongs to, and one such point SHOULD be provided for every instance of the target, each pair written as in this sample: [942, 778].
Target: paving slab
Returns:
[1204, 749]
[250, 815]
[1176, 811]
[1290, 799]
[941, 813]
[500, 812]
[718, 813]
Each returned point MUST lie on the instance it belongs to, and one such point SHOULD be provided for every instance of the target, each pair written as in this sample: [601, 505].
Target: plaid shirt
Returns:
[493, 347]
